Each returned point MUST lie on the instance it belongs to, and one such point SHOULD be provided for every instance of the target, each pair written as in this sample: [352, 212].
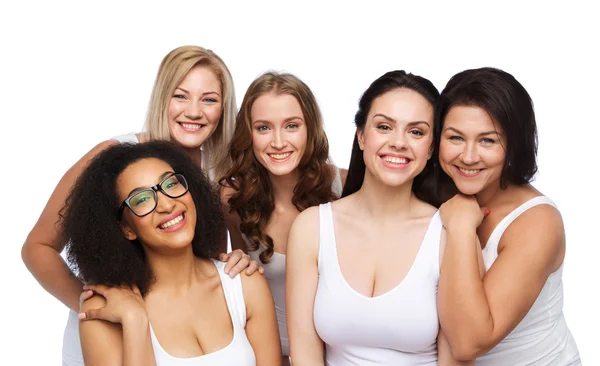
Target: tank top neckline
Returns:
[404, 280]
[206, 356]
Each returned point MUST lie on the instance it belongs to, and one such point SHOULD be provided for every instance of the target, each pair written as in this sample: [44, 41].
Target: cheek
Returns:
[259, 142]
[173, 110]
[214, 113]
[300, 139]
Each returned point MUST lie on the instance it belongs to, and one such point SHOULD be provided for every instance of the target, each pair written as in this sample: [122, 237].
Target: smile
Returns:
[280, 157]
[395, 160]
[172, 223]
[468, 172]
[191, 127]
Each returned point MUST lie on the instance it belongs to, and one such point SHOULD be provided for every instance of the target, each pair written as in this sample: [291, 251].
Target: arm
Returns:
[261, 322]
[487, 310]
[42, 248]
[445, 356]
[125, 342]
[301, 287]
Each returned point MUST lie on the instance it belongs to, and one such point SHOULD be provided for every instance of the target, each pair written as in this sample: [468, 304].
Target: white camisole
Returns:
[399, 327]
[542, 337]
[275, 275]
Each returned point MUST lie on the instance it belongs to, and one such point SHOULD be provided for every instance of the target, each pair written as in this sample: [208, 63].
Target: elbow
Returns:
[26, 253]
[467, 351]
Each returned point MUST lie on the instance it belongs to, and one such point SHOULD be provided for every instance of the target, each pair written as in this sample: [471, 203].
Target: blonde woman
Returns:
[192, 104]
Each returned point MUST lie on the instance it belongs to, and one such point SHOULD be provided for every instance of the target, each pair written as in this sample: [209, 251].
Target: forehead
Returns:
[202, 79]
[402, 104]
[142, 173]
[471, 119]
[272, 107]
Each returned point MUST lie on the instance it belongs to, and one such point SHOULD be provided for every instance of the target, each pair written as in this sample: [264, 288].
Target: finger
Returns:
[234, 258]
[261, 270]
[240, 266]
[84, 296]
[92, 314]
[99, 289]
[486, 211]
[136, 290]
[223, 257]
[253, 267]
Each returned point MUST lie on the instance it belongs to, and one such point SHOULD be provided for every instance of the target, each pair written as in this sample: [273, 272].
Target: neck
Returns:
[283, 187]
[492, 194]
[196, 155]
[176, 271]
[382, 202]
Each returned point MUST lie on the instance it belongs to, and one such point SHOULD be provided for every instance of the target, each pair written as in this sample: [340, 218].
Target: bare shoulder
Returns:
[307, 219]
[538, 232]
[257, 294]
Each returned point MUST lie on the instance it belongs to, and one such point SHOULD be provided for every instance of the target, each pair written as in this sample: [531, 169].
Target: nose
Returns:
[398, 140]
[165, 204]
[278, 142]
[470, 155]
[193, 110]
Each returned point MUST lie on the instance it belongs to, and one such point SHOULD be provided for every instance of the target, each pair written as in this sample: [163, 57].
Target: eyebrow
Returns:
[410, 124]
[494, 132]
[208, 92]
[162, 176]
[289, 119]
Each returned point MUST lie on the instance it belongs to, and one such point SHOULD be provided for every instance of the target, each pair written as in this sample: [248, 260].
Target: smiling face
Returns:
[472, 149]
[279, 133]
[173, 221]
[195, 108]
[397, 137]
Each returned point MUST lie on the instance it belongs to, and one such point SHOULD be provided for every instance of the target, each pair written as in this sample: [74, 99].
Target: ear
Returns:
[127, 231]
[360, 136]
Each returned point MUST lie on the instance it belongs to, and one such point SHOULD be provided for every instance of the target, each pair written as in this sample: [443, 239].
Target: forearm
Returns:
[137, 343]
[464, 310]
[52, 273]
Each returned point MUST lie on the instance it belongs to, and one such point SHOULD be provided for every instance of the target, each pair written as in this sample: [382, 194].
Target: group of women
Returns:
[432, 248]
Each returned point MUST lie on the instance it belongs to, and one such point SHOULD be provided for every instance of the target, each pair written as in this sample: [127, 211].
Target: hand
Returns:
[86, 294]
[237, 261]
[122, 303]
[463, 211]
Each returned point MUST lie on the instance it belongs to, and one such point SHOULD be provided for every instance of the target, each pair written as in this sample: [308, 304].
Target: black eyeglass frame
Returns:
[154, 190]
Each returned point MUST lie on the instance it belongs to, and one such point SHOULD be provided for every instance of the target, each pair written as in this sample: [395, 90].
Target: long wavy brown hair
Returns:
[253, 198]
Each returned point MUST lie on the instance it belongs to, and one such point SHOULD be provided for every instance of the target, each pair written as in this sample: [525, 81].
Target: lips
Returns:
[280, 156]
[468, 172]
[172, 220]
[191, 127]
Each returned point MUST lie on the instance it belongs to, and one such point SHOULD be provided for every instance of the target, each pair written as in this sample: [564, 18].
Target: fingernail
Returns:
[487, 211]
[81, 316]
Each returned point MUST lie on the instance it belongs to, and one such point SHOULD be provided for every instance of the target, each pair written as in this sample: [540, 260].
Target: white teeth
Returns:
[470, 171]
[280, 156]
[170, 223]
[191, 126]
[394, 160]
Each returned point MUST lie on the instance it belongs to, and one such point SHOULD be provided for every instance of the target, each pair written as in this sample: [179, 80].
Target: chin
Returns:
[469, 189]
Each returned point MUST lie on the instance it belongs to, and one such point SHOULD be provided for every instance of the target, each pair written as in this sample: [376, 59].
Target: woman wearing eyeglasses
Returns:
[192, 104]
[159, 297]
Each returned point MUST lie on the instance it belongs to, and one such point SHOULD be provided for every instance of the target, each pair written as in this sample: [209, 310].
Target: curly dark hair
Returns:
[96, 246]
[253, 198]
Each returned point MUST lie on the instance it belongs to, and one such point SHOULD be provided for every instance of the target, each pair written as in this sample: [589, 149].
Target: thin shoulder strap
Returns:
[491, 248]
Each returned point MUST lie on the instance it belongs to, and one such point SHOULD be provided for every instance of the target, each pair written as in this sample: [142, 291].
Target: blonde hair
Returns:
[173, 68]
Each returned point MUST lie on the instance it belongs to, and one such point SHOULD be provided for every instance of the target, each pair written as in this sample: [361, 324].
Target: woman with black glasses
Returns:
[143, 224]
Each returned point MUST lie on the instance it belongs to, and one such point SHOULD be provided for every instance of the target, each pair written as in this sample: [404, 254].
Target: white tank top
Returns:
[275, 275]
[71, 350]
[399, 327]
[542, 337]
[239, 352]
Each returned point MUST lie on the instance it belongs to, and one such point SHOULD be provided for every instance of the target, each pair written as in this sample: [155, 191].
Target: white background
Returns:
[74, 74]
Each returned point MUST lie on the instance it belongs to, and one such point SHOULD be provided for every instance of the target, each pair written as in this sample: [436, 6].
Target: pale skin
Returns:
[279, 129]
[185, 304]
[197, 101]
[531, 248]
[367, 223]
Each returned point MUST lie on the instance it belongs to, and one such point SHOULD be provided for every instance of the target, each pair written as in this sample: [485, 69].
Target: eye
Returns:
[384, 127]
[416, 132]
[171, 183]
[487, 141]
[455, 138]
[292, 125]
[211, 100]
[141, 198]
[179, 96]
[262, 128]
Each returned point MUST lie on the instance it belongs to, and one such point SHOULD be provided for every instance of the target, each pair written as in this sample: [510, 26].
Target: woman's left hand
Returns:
[237, 261]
